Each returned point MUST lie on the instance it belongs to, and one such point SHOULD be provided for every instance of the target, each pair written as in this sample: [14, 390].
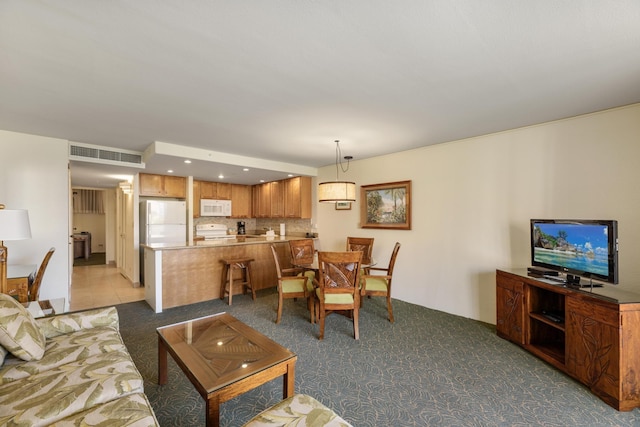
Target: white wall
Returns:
[34, 176]
[472, 201]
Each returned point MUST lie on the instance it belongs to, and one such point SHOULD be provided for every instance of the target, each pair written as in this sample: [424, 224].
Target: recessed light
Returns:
[187, 161]
[246, 169]
[290, 175]
[170, 171]
[262, 180]
[221, 176]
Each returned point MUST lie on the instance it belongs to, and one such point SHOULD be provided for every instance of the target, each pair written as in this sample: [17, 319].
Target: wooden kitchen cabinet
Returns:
[287, 198]
[593, 335]
[163, 186]
[297, 197]
[215, 190]
[240, 201]
[277, 199]
[262, 200]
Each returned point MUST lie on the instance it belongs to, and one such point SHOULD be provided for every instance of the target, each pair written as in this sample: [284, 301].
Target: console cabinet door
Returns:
[593, 346]
[240, 201]
[510, 309]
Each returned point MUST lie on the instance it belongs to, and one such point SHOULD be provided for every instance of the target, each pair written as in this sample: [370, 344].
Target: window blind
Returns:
[88, 201]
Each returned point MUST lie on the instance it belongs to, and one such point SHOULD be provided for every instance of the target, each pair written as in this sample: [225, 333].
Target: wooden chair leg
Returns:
[356, 330]
[248, 280]
[280, 302]
[390, 309]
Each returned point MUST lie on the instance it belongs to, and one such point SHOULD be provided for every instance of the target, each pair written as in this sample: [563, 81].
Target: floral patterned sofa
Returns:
[298, 410]
[69, 370]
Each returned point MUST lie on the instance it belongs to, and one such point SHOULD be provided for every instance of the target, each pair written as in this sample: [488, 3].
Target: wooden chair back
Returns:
[362, 244]
[302, 251]
[338, 286]
[339, 272]
[34, 289]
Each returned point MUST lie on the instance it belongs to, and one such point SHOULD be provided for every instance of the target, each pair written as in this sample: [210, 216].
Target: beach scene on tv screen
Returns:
[573, 246]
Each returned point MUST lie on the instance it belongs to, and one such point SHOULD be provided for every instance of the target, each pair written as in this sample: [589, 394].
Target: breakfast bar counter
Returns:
[182, 274]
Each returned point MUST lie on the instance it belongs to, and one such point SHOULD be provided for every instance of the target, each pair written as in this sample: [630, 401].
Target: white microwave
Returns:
[210, 207]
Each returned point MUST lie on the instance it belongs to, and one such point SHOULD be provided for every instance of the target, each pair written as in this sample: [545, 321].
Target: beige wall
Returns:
[472, 201]
[33, 176]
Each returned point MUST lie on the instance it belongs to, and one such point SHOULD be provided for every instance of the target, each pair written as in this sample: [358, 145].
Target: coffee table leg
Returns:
[162, 362]
[213, 411]
[289, 378]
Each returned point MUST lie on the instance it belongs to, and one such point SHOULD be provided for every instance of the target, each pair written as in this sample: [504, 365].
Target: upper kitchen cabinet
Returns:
[288, 198]
[240, 201]
[297, 197]
[277, 199]
[262, 200]
[215, 190]
[163, 186]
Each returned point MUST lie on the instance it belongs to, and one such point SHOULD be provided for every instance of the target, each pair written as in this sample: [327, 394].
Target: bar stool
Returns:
[230, 266]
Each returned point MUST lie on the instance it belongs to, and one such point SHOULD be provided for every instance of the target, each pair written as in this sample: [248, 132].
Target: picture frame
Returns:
[343, 206]
[386, 206]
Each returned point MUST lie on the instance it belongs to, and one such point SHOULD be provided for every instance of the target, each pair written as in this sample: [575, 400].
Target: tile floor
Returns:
[101, 285]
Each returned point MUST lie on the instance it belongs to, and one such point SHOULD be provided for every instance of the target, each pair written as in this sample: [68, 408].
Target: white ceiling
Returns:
[280, 80]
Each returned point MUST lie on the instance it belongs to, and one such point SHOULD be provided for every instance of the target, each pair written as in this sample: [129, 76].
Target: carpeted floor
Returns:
[96, 258]
[429, 368]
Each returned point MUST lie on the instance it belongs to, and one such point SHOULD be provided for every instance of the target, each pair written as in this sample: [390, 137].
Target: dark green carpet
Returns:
[429, 368]
[96, 258]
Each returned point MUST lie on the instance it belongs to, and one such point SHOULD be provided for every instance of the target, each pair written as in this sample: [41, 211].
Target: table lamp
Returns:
[14, 225]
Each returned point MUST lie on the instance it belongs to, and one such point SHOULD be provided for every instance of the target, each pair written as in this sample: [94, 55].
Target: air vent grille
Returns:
[92, 153]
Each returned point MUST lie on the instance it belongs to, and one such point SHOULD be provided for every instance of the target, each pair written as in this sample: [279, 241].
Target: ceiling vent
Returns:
[104, 155]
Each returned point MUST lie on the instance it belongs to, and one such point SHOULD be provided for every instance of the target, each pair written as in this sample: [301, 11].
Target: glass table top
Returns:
[218, 350]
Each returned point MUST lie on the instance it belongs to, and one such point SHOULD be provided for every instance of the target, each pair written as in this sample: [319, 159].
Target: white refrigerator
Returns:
[163, 221]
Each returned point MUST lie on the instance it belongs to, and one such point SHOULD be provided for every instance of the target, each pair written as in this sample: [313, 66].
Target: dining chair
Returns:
[34, 288]
[302, 253]
[337, 286]
[379, 285]
[362, 244]
[292, 285]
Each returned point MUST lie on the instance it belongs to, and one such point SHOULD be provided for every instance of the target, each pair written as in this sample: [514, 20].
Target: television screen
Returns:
[587, 248]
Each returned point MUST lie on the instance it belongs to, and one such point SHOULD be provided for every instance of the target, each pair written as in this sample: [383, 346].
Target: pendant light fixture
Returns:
[338, 191]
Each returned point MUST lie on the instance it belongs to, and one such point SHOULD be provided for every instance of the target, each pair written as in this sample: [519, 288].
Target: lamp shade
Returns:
[337, 191]
[14, 224]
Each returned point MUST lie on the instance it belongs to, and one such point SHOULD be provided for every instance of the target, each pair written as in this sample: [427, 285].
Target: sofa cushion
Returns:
[19, 331]
[133, 410]
[57, 393]
[72, 322]
[63, 349]
[298, 410]
[3, 354]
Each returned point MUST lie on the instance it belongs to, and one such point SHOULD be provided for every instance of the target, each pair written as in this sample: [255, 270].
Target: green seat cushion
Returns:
[376, 284]
[336, 298]
[291, 286]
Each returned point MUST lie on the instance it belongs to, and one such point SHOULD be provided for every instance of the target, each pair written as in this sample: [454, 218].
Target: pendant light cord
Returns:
[339, 161]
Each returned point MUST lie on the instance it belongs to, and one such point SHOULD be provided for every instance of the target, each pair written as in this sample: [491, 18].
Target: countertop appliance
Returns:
[213, 231]
[241, 228]
[211, 207]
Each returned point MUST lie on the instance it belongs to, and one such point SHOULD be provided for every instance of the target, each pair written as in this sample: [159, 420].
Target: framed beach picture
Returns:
[343, 206]
[386, 205]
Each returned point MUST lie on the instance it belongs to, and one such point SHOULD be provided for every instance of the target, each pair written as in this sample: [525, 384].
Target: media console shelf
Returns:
[591, 335]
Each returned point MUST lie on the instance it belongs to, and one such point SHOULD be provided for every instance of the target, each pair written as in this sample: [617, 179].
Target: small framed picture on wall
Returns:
[343, 206]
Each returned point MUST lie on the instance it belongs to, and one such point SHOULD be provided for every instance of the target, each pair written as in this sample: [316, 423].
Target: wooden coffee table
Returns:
[223, 358]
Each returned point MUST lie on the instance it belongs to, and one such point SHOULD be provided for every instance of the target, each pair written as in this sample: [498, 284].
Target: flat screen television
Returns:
[585, 248]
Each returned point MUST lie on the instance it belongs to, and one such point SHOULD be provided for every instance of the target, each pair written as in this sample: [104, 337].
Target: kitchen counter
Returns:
[239, 240]
[182, 274]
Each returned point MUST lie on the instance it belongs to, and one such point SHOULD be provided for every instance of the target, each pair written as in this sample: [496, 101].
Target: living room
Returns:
[474, 190]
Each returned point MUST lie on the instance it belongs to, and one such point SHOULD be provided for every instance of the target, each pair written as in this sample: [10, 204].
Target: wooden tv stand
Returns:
[593, 335]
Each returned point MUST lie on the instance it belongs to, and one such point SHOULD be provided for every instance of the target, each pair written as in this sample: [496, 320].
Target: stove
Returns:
[213, 231]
